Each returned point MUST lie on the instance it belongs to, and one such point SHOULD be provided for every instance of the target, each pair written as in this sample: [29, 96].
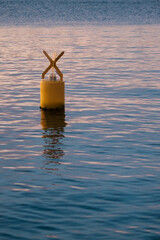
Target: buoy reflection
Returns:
[53, 124]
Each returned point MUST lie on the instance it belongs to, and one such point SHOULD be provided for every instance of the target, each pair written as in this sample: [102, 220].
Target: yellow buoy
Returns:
[52, 94]
[52, 91]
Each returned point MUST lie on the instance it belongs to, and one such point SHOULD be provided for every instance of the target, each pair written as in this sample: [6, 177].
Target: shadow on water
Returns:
[53, 125]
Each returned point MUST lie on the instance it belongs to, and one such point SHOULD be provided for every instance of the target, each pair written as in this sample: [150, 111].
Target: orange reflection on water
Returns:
[53, 124]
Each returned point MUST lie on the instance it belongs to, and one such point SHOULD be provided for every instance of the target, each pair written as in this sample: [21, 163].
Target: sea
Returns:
[92, 170]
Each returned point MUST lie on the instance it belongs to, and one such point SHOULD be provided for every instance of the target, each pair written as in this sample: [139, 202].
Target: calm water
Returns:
[53, 12]
[93, 171]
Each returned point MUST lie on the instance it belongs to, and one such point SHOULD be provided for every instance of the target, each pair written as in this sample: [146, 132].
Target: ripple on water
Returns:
[91, 171]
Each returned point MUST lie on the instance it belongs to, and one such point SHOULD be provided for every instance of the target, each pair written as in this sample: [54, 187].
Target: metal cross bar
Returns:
[53, 64]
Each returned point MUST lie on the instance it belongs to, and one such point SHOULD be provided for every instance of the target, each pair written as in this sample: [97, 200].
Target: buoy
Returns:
[52, 90]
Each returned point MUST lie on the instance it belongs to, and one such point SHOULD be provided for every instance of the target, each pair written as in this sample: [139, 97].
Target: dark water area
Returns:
[53, 12]
[91, 171]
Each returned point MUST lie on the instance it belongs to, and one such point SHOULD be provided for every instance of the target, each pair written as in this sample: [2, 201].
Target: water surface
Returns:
[91, 172]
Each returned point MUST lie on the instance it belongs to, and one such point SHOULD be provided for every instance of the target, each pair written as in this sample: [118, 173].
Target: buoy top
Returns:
[53, 65]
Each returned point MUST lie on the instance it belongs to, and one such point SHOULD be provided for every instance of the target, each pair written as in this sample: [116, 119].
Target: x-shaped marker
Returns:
[53, 64]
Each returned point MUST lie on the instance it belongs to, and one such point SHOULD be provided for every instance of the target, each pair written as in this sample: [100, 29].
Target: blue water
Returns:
[53, 12]
[93, 170]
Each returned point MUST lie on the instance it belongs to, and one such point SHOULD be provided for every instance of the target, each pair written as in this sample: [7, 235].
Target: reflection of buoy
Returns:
[52, 91]
[53, 126]
[53, 119]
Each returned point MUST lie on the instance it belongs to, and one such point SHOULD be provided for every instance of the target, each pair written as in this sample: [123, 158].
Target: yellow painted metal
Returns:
[51, 91]
[53, 64]
[52, 94]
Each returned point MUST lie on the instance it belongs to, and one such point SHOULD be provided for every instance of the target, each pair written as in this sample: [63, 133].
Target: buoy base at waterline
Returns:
[52, 94]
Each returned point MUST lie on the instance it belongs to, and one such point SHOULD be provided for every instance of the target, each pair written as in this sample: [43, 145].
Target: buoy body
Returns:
[52, 94]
